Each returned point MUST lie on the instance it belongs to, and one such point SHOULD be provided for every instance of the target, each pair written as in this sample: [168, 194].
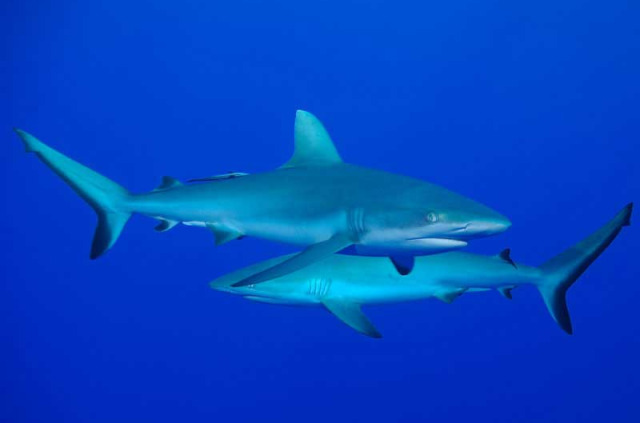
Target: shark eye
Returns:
[431, 217]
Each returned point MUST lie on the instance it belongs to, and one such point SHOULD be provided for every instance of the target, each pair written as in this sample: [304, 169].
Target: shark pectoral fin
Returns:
[224, 235]
[165, 225]
[403, 264]
[313, 146]
[506, 292]
[168, 182]
[505, 255]
[351, 315]
[311, 254]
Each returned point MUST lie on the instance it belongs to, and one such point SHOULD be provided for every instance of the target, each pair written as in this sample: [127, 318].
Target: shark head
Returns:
[287, 289]
[439, 220]
[404, 215]
[461, 222]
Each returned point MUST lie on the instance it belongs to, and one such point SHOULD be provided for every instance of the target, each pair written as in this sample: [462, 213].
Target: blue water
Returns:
[528, 107]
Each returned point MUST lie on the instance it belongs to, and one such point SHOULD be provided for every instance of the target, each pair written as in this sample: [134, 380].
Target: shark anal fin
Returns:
[311, 254]
[403, 264]
[313, 146]
[165, 225]
[506, 256]
[224, 235]
[506, 292]
[351, 315]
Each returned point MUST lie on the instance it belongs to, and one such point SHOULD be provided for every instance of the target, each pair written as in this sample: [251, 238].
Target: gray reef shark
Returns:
[342, 283]
[314, 200]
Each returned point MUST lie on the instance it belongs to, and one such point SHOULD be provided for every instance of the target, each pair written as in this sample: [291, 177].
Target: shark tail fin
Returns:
[560, 272]
[106, 197]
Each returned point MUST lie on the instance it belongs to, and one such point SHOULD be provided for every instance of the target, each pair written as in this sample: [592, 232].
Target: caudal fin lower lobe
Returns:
[106, 197]
[561, 271]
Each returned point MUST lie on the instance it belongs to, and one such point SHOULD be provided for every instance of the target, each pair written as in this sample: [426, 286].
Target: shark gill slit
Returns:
[355, 223]
[319, 287]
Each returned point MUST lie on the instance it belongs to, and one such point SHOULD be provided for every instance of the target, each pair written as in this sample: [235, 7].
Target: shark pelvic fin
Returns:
[351, 315]
[505, 255]
[165, 225]
[311, 254]
[403, 264]
[313, 145]
[449, 296]
[168, 182]
[224, 235]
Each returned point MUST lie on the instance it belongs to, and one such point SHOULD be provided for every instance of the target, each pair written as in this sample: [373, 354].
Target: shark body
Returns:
[342, 284]
[315, 200]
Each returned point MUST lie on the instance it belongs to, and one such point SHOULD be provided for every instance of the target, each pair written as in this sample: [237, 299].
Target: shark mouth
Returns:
[454, 234]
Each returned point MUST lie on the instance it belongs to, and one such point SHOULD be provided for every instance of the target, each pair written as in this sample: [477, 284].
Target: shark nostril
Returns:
[460, 229]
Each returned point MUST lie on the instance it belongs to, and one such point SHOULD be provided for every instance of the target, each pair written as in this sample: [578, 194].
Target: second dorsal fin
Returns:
[168, 182]
[313, 145]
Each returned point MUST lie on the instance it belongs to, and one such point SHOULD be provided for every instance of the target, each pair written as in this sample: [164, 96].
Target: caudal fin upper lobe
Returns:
[107, 198]
[563, 270]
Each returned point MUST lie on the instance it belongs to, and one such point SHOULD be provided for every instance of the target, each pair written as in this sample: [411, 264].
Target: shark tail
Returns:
[108, 199]
[560, 272]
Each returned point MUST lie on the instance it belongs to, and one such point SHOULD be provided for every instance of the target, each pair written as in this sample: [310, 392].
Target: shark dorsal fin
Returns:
[313, 145]
[168, 182]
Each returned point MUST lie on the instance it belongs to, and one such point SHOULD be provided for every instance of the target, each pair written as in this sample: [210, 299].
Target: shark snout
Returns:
[478, 224]
[224, 284]
[486, 227]
[223, 288]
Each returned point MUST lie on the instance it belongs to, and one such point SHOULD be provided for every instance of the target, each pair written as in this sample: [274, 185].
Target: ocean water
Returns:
[529, 107]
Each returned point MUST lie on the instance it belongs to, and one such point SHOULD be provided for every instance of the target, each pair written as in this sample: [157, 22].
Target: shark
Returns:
[342, 284]
[315, 200]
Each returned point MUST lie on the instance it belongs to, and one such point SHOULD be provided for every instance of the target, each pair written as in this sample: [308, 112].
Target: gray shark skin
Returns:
[315, 200]
[342, 284]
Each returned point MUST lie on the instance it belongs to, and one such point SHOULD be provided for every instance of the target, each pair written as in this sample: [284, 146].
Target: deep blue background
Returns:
[529, 107]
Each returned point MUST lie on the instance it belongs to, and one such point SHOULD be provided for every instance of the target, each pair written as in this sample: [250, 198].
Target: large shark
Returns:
[342, 284]
[314, 200]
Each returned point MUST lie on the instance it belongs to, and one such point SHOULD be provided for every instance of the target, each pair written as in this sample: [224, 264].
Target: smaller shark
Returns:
[342, 284]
